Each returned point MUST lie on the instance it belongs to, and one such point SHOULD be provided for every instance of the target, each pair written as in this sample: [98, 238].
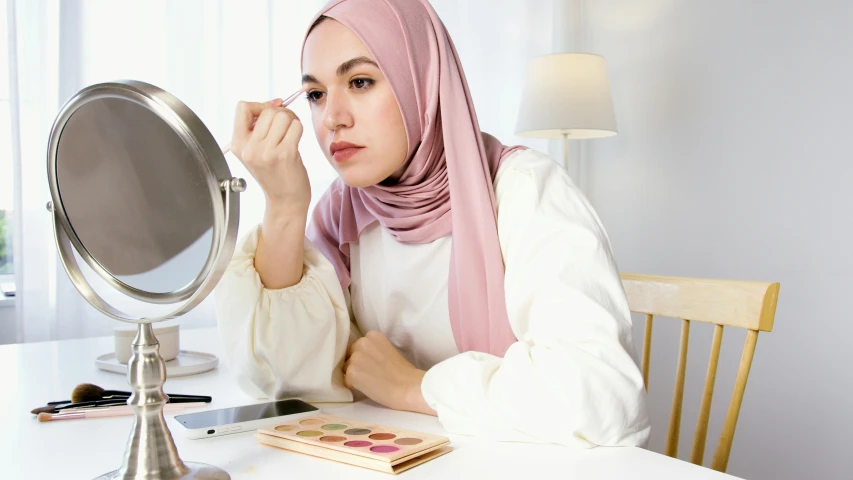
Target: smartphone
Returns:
[213, 423]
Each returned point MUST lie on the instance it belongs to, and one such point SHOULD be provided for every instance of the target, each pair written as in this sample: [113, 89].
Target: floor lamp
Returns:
[567, 95]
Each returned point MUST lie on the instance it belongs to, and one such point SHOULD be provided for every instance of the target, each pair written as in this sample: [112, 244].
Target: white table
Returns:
[33, 374]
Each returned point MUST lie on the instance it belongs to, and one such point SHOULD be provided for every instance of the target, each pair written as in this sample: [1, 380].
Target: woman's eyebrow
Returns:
[350, 64]
[343, 68]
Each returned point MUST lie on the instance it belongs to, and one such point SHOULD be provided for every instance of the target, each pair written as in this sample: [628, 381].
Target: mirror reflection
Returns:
[134, 195]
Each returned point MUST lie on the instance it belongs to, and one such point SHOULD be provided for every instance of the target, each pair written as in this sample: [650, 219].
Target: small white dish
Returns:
[186, 363]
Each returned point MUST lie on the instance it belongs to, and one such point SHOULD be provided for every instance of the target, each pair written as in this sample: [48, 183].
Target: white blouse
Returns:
[572, 367]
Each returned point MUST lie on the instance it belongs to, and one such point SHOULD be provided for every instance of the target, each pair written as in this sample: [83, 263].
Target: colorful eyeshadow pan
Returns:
[309, 433]
[333, 426]
[332, 439]
[408, 441]
[382, 436]
[358, 443]
[384, 449]
[286, 428]
[357, 431]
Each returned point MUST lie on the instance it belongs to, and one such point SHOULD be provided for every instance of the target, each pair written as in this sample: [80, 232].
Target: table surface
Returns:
[33, 374]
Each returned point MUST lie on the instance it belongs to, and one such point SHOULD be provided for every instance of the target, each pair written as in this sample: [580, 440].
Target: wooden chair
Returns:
[749, 305]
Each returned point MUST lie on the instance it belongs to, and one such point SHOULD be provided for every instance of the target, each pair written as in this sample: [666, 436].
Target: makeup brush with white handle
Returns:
[117, 411]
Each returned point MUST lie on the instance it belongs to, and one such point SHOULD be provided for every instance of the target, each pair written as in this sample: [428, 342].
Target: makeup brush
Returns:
[56, 407]
[86, 392]
[106, 403]
[287, 101]
[95, 403]
[109, 412]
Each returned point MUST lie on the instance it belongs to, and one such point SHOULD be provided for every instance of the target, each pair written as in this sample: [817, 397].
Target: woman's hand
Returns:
[375, 368]
[266, 139]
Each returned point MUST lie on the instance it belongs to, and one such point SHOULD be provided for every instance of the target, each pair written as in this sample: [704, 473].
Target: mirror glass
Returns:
[134, 195]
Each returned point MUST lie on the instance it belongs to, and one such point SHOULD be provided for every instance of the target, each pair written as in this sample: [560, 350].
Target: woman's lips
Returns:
[345, 154]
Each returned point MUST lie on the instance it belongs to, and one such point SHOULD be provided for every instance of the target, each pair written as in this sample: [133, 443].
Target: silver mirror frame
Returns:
[209, 158]
[151, 452]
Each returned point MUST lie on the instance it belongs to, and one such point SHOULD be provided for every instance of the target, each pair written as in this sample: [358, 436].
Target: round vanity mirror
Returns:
[122, 168]
[143, 196]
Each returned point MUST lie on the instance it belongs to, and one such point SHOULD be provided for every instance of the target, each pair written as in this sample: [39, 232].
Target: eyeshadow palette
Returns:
[386, 449]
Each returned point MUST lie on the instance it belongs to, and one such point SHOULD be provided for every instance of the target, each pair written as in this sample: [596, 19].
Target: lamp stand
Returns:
[565, 136]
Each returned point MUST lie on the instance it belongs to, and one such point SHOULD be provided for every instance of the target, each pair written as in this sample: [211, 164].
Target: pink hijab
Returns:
[447, 186]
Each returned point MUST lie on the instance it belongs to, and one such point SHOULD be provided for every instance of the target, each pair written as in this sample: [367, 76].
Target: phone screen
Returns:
[245, 413]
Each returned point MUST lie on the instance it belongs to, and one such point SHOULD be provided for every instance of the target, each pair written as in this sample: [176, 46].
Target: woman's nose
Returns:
[338, 113]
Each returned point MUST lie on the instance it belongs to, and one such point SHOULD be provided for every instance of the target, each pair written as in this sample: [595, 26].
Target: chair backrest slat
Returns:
[647, 349]
[724, 447]
[701, 434]
[678, 393]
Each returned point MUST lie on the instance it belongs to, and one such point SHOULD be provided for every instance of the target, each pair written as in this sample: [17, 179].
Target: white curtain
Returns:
[209, 54]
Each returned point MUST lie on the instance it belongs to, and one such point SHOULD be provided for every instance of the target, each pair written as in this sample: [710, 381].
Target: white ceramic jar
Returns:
[167, 335]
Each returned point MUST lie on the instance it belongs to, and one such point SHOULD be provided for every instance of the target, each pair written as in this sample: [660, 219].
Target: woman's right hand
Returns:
[269, 150]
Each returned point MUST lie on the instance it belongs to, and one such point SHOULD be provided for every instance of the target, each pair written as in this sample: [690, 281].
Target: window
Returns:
[6, 186]
[6, 259]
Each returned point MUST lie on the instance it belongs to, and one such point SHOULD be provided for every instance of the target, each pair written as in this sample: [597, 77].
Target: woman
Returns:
[443, 272]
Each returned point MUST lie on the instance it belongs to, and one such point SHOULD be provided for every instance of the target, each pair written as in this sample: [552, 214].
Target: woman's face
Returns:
[352, 104]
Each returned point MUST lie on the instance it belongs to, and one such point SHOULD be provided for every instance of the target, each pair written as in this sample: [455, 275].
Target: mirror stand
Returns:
[151, 451]
[161, 173]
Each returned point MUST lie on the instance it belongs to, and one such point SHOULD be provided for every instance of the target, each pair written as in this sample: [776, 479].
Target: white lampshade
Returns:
[567, 93]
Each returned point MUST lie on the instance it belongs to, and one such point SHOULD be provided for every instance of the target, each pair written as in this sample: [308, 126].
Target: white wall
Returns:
[734, 161]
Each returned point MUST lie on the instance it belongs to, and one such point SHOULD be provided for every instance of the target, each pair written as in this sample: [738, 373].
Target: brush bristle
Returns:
[44, 417]
[45, 409]
[86, 392]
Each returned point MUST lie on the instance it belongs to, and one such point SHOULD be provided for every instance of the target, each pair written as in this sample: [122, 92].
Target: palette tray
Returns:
[368, 445]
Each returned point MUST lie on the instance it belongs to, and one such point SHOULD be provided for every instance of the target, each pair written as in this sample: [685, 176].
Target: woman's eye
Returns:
[313, 96]
[361, 83]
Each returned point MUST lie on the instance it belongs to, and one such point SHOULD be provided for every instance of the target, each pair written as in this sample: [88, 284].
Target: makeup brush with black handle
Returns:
[96, 403]
[88, 395]
[102, 403]
[89, 391]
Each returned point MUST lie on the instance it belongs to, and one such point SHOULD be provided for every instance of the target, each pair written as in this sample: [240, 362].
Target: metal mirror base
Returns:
[151, 453]
[196, 471]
